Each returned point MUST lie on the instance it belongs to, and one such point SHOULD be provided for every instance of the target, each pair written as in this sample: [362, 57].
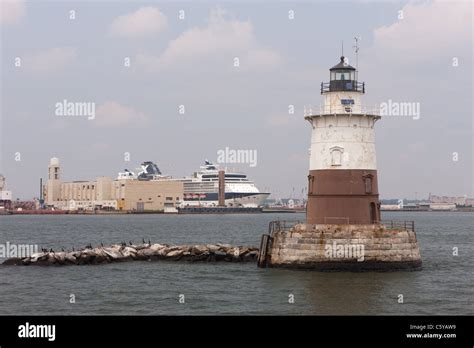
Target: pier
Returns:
[218, 210]
[388, 246]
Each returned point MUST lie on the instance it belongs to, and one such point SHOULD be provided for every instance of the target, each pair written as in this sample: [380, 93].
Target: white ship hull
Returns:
[253, 200]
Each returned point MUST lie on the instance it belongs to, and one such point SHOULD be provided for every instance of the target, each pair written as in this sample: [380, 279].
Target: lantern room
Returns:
[342, 78]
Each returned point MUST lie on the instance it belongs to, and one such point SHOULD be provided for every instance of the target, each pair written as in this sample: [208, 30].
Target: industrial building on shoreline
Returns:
[5, 195]
[108, 194]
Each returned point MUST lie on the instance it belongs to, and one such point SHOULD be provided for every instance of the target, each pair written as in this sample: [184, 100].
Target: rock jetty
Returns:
[141, 252]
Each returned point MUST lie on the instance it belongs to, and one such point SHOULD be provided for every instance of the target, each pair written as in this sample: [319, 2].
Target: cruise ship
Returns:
[201, 188]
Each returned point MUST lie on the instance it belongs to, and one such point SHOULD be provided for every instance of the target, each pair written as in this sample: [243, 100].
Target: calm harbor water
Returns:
[444, 286]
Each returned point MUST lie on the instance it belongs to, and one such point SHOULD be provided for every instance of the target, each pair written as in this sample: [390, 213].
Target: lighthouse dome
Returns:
[342, 65]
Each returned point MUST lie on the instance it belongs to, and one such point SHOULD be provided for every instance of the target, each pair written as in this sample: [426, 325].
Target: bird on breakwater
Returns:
[101, 244]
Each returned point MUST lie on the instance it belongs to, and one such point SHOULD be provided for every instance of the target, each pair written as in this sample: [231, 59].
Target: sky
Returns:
[177, 82]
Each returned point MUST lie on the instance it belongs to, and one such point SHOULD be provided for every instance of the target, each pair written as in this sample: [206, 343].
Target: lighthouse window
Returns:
[368, 184]
[310, 184]
[344, 75]
[336, 156]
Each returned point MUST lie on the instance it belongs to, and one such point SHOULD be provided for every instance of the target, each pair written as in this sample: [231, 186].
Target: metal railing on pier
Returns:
[286, 225]
[281, 225]
[267, 239]
[406, 225]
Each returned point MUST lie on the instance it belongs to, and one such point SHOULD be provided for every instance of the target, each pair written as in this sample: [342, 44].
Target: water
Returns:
[444, 286]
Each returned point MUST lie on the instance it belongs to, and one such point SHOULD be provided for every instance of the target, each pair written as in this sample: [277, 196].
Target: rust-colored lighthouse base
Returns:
[343, 197]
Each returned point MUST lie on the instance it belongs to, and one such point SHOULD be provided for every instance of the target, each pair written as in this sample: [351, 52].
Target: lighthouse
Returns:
[342, 180]
[343, 230]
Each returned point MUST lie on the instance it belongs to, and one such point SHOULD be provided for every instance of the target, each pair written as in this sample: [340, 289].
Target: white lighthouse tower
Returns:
[343, 230]
[342, 181]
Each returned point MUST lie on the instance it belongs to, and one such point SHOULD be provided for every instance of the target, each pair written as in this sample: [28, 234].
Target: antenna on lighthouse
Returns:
[356, 48]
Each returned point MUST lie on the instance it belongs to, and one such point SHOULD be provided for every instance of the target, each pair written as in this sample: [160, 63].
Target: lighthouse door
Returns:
[373, 213]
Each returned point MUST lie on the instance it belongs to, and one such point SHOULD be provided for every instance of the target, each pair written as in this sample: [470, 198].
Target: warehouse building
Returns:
[129, 195]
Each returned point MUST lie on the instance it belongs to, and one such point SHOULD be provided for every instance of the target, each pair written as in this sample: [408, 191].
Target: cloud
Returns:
[143, 22]
[50, 60]
[112, 113]
[12, 11]
[219, 42]
[428, 31]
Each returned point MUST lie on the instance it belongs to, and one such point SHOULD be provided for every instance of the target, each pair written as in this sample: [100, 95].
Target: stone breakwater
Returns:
[143, 252]
[342, 247]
